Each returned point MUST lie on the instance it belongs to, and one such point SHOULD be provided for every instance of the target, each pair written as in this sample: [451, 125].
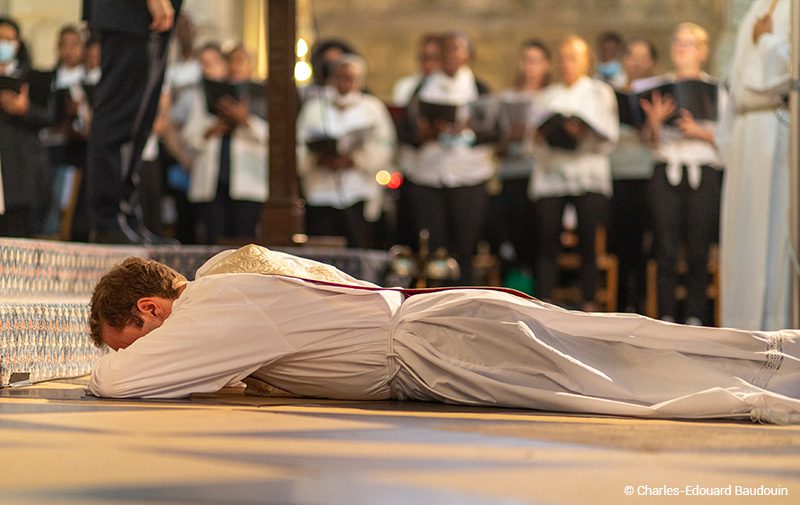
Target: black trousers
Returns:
[227, 218]
[126, 102]
[681, 213]
[348, 223]
[629, 219]
[454, 217]
[17, 222]
[549, 211]
[510, 219]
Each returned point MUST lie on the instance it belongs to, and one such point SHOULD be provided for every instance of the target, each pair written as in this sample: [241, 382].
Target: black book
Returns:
[331, 146]
[40, 86]
[214, 90]
[10, 83]
[435, 112]
[625, 109]
[553, 127]
[694, 95]
[323, 146]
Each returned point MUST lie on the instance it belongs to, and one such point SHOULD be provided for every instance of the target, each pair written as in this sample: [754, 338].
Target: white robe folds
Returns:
[460, 346]
[754, 141]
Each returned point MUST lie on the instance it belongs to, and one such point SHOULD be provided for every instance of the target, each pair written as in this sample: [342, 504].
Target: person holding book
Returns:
[66, 140]
[429, 59]
[228, 144]
[24, 158]
[451, 127]
[575, 132]
[344, 138]
[511, 209]
[754, 138]
[685, 187]
[631, 170]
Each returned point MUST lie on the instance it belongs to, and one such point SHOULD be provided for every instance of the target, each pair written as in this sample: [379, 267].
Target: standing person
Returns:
[289, 326]
[610, 46]
[446, 179]
[22, 155]
[754, 249]
[66, 140]
[134, 36]
[429, 59]
[512, 209]
[631, 170]
[324, 55]
[685, 187]
[228, 180]
[342, 196]
[581, 176]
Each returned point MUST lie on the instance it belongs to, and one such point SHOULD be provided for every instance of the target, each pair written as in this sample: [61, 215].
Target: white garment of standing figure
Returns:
[755, 269]
[461, 346]
[587, 169]
[439, 165]
[325, 187]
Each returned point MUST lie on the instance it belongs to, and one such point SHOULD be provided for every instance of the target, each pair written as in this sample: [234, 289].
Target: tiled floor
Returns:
[59, 447]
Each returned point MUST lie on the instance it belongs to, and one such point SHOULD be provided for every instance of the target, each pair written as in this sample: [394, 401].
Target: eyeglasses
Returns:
[685, 43]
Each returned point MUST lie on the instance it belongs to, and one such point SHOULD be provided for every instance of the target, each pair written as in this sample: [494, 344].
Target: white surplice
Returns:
[754, 140]
[586, 169]
[340, 189]
[461, 346]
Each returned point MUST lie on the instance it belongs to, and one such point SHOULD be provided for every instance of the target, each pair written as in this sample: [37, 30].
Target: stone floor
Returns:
[58, 446]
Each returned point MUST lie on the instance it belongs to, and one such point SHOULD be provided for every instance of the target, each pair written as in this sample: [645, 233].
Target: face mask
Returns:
[609, 69]
[8, 50]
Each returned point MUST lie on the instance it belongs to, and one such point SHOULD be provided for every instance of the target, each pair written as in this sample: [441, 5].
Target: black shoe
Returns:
[115, 235]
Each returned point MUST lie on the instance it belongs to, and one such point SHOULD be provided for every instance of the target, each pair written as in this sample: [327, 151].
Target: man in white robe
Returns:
[755, 268]
[296, 327]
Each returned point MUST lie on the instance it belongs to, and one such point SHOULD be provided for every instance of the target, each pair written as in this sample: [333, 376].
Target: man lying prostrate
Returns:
[294, 327]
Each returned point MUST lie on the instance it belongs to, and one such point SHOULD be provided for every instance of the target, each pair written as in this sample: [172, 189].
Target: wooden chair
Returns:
[607, 263]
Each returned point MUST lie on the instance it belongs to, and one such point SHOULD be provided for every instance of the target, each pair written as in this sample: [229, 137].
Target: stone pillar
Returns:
[282, 216]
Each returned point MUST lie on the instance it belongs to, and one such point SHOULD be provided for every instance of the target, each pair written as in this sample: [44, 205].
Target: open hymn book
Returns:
[324, 144]
[697, 96]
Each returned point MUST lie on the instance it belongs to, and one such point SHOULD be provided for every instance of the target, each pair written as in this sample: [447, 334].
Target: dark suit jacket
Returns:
[24, 158]
[129, 16]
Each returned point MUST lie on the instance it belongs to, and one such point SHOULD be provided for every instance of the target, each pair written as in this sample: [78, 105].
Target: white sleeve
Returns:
[306, 160]
[768, 65]
[602, 115]
[215, 336]
[198, 121]
[377, 152]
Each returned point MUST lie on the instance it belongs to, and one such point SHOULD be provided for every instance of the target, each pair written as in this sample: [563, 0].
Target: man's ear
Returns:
[148, 305]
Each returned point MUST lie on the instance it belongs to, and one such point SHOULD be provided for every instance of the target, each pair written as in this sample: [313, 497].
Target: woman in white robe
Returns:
[755, 267]
[295, 327]
[580, 176]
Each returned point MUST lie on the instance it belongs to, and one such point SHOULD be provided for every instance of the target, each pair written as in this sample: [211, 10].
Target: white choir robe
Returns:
[340, 189]
[753, 138]
[587, 169]
[460, 346]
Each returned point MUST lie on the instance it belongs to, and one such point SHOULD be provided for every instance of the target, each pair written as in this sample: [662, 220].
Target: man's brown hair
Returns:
[115, 296]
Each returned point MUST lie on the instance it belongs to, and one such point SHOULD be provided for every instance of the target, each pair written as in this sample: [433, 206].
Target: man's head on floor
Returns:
[132, 299]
